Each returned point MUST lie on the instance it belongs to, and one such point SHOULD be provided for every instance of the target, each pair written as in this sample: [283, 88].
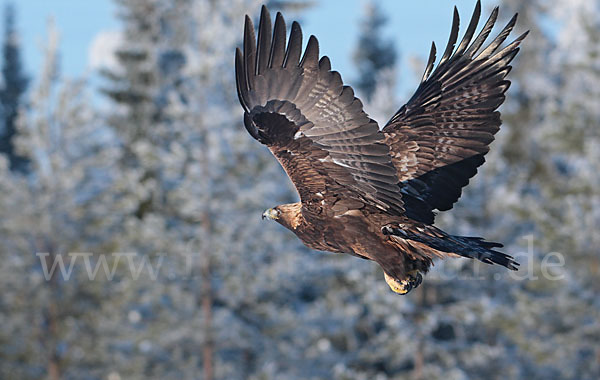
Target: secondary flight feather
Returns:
[364, 191]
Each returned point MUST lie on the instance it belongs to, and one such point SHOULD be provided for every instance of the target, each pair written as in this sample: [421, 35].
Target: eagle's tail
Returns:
[477, 248]
[466, 246]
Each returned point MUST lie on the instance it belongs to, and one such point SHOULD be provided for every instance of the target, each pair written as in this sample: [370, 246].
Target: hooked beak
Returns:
[270, 214]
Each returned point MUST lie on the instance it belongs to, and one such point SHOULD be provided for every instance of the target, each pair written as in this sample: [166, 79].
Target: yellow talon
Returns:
[413, 279]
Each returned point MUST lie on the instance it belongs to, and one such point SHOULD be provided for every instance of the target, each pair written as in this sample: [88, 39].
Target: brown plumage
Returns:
[365, 191]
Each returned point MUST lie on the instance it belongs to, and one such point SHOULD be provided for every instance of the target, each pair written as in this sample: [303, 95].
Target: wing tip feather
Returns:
[263, 47]
[277, 54]
[294, 49]
[311, 54]
[240, 79]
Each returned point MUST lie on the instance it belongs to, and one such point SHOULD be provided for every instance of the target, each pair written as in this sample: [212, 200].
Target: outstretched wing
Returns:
[312, 123]
[438, 139]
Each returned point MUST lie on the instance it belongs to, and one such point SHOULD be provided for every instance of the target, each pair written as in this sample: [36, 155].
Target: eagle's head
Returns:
[272, 214]
[288, 215]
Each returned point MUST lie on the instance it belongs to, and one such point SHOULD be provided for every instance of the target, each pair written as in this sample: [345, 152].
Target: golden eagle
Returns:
[365, 191]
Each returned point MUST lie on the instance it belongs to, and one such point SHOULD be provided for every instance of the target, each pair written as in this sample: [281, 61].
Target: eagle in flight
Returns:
[363, 190]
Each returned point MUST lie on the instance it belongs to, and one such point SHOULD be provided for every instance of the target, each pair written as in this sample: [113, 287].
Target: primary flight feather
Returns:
[365, 191]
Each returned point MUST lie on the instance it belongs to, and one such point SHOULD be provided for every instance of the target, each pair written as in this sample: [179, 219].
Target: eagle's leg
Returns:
[413, 280]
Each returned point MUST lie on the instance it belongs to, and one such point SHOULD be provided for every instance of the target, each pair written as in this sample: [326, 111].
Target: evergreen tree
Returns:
[373, 53]
[14, 86]
[65, 205]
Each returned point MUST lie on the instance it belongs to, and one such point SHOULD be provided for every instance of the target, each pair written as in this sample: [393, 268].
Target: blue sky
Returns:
[78, 22]
[412, 26]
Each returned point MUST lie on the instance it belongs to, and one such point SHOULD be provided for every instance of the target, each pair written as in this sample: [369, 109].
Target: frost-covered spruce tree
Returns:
[50, 308]
[558, 202]
[143, 88]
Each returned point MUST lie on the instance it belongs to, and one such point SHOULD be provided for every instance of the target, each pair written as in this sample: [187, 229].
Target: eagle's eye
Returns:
[272, 214]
